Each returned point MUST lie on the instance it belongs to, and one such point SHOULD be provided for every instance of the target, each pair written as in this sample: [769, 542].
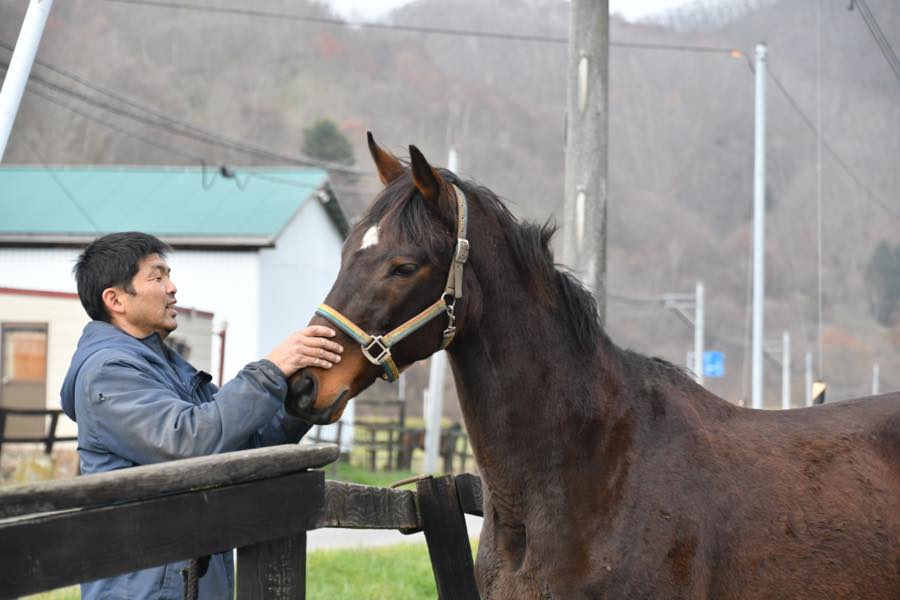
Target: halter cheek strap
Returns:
[377, 348]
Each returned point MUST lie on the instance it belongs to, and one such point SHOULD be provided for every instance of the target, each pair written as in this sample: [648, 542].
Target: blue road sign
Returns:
[713, 364]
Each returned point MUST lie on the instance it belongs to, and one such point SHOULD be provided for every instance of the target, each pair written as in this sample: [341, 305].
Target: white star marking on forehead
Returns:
[371, 237]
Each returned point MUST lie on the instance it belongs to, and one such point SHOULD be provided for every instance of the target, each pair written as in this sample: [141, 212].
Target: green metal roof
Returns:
[187, 206]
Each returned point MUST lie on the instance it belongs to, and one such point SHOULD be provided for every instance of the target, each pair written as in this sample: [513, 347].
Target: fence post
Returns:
[273, 570]
[2, 428]
[51, 437]
[447, 538]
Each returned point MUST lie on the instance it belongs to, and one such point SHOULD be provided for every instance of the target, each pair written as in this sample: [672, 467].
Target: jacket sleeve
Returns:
[282, 429]
[135, 416]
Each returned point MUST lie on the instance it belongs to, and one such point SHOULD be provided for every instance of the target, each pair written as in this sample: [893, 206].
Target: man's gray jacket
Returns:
[138, 402]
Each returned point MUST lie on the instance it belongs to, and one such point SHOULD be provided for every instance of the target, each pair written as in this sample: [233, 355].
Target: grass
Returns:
[401, 572]
[357, 474]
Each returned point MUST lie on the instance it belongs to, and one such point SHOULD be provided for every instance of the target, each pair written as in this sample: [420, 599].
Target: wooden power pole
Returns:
[584, 222]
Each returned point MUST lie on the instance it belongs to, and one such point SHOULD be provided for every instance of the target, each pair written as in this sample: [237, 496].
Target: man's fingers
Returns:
[329, 345]
[319, 331]
[318, 362]
[313, 353]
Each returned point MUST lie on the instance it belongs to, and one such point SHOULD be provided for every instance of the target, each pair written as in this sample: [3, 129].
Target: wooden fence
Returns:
[48, 440]
[262, 502]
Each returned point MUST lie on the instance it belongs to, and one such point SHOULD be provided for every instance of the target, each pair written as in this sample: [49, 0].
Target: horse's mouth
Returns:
[300, 402]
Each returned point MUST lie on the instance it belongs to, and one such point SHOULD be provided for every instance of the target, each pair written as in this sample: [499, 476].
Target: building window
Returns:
[24, 354]
[23, 373]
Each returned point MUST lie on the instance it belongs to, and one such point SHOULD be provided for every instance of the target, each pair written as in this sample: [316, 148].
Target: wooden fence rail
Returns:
[262, 502]
[48, 440]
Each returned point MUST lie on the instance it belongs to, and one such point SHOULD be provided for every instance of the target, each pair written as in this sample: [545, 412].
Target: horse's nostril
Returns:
[301, 394]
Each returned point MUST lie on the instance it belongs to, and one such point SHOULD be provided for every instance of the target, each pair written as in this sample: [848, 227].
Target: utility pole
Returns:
[434, 408]
[20, 66]
[699, 332]
[680, 303]
[808, 381]
[759, 227]
[434, 395]
[584, 244]
[785, 370]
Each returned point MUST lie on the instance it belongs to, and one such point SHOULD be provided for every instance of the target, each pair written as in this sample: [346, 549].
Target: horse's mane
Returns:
[529, 242]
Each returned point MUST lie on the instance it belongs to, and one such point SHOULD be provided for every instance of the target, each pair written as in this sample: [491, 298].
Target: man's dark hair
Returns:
[112, 261]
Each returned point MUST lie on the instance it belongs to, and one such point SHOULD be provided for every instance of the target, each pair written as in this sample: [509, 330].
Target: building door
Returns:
[23, 374]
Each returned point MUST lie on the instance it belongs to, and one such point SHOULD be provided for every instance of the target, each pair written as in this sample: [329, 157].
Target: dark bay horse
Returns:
[607, 474]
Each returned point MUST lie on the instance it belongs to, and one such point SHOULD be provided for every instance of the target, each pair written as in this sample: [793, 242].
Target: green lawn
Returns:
[401, 572]
[357, 474]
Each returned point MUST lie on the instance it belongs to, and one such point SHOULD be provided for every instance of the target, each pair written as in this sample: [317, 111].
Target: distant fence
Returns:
[48, 440]
[262, 502]
[385, 441]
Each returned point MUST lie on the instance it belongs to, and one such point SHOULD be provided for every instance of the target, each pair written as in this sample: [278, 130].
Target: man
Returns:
[138, 402]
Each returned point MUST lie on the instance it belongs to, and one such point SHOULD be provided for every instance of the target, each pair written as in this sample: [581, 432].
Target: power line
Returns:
[812, 127]
[496, 35]
[53, 100]
[66, 192]
[108, 125]
[175, 126]
[880, 40]
[50, 98]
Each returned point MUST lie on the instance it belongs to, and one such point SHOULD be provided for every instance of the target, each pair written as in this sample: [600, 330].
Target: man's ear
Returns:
[112, 300]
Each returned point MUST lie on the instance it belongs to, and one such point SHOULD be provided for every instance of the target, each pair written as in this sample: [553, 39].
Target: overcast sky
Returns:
[373, 9]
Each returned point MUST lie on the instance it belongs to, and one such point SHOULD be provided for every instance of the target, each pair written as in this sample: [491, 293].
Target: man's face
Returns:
[151, 308]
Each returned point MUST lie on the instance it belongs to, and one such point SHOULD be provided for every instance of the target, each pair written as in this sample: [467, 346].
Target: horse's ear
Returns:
[427, 180]
[389, 168]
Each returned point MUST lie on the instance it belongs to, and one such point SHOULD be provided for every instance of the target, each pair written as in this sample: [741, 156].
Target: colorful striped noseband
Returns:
[377, 348]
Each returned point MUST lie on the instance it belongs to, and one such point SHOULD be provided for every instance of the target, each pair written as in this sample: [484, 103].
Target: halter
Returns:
[377, 348]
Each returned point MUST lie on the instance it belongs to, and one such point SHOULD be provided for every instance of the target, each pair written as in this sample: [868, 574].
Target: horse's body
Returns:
[674, 493]
[611, 475]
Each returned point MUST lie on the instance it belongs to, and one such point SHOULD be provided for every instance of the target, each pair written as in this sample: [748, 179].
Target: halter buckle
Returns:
[450, 331]
[383, 351]
[462, 250]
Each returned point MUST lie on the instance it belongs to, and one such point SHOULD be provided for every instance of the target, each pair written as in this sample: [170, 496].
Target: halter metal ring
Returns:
[383, 351]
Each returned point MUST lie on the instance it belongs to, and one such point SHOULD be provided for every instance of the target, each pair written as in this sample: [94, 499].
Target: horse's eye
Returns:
[404, 270]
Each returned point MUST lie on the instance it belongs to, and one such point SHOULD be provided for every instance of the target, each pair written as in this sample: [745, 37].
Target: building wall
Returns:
[295, 276]
[227, 283]
[260, 296]
[297, 273]
[65, 319]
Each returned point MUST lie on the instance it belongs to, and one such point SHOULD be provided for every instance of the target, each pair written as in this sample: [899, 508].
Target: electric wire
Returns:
[175, 126]
[108, 125]
[519, 37]
[56, 180]
[204, 163]
[878, 35]
[819, 214]
[828, 147]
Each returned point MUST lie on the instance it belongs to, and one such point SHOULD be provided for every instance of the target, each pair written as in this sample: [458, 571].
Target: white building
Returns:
[258, 248]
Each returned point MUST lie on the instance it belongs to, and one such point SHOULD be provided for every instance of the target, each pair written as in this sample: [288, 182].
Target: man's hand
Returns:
[307, 348]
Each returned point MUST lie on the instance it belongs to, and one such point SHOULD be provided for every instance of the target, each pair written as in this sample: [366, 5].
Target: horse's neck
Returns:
[529, 394]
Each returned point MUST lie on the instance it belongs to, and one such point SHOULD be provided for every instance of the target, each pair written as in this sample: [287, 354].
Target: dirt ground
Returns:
[27, 463]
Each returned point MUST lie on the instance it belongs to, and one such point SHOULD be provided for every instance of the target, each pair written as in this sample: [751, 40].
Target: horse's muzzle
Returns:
[301, 397]
[303, 389]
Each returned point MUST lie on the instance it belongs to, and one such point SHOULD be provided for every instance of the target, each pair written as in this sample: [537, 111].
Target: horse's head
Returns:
[397, 298]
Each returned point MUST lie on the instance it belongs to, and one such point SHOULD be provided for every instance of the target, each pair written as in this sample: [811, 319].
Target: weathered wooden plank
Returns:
[164, 478]
[447, 539]
[471, 500]
[352, 506]
[54, 550]
[273, 570]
